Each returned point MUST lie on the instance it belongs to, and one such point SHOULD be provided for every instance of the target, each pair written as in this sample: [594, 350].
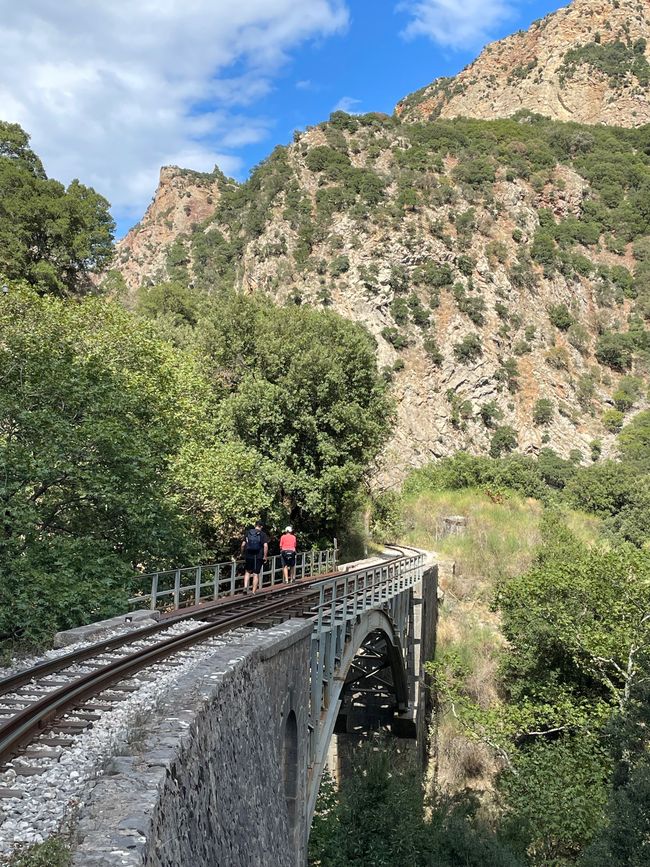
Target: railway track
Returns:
[45, 707]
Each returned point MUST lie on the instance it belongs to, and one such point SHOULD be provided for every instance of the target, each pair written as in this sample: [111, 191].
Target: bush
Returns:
[504, 440]
[52, 853]
[613, 420]
[339, 265]
[490, 412]
[432, 350]
[615, 350]
[634, 442]
[560, 316]
[469, 348]
[395, 337]
[628, 392]
[543, 411]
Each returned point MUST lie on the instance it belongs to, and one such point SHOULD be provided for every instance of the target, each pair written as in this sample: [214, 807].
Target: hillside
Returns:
[502, 266]
[587, 63]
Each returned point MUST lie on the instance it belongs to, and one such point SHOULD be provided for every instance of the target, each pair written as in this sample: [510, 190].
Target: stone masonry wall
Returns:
[237, 724]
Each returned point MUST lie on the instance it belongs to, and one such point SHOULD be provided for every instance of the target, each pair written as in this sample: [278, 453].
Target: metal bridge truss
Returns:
[358, 610]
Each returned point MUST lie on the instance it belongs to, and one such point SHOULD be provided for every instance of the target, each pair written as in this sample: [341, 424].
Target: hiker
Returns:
[288, 547]
[255, 549]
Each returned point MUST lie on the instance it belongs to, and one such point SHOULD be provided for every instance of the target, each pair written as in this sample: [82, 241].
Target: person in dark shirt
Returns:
[255, 550]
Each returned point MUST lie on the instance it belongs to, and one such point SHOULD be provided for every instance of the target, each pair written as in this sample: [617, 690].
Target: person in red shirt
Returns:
[288, 546]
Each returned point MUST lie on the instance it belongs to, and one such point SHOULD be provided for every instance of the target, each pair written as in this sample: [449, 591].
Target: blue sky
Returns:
[112, 90]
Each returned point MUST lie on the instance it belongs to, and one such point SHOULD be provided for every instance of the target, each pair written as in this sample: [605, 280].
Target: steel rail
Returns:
[59, 663]
[24, 725]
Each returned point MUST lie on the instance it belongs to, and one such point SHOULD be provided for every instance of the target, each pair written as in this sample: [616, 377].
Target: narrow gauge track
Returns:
[38, 711]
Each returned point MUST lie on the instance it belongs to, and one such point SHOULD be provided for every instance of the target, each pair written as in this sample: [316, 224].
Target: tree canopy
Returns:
[52, 237]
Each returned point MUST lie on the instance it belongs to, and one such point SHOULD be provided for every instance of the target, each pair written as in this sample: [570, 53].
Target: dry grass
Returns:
[499, 543]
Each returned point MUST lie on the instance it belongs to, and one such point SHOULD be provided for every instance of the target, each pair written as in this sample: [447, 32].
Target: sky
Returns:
[110, 90]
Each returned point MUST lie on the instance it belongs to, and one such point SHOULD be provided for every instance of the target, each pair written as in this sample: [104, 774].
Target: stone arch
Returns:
[290, 767]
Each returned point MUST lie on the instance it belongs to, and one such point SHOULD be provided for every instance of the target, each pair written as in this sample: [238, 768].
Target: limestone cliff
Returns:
[183, 199]
[497, 263]
[588, 62]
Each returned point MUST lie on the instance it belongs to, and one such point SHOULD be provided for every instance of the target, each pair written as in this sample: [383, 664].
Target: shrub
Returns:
[432, 350]
[634, 442]
[613, 420]
[399, 310]
[615, 350]
[560, 316]
[339, 265]
[628, 392]
[395, 337]
[504, 440]
[469, 348]
[432, 274]
[472, 306]
[490, 412]
[543, 411]
[507, 373]
[558, 357]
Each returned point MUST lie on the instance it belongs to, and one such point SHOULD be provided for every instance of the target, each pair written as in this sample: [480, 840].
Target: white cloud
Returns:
[111, 90]
[456, 24]
[347, 104]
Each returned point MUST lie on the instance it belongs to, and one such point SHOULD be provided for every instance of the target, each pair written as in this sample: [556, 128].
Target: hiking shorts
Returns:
[254, 563]
[288, 558]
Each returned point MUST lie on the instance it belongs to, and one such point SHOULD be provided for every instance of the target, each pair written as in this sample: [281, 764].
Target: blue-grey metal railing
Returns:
[341, 601]
[177, 588]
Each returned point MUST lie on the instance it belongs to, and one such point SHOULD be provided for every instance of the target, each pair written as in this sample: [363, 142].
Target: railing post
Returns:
[215, 584]
[233, 577]
[177, 589]
[154, 591]
[197, 586]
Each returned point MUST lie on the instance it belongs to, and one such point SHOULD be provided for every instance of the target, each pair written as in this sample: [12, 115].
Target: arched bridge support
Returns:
[396, 602]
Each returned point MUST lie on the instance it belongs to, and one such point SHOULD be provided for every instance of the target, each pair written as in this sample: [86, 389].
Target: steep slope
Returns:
[183, 199]
[587, 62]
[503, 266]
[498, 264]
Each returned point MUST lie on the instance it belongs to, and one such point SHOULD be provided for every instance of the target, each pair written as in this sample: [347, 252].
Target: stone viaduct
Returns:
[227, 772]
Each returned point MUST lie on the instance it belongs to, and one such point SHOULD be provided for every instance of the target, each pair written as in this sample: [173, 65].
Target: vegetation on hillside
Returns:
[451, 233]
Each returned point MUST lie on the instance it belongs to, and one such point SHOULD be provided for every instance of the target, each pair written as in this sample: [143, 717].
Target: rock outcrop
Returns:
[587, 62]
[461, 248]
[183, 199]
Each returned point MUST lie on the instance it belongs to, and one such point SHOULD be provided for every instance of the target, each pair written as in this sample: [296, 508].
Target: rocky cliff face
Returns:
[587, 62]
[183, 199]
[502, 266]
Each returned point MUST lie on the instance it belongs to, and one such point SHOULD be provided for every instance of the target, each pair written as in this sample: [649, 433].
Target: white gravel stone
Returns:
[49, 798]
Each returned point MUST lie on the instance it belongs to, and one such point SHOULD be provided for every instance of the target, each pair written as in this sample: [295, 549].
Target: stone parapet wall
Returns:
[220, 773]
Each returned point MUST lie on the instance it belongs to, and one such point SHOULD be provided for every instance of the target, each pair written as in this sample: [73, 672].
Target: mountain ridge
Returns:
[586, 62]
[501, 265]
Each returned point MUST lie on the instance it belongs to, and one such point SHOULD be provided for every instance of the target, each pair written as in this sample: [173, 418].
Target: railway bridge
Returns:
[226, 771]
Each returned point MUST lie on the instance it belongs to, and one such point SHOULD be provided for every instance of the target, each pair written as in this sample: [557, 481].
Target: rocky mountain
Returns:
[587, 62]
[503, 267]
[184, 199]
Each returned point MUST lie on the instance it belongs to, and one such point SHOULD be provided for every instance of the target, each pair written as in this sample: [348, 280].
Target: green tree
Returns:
[468, 349]
[543, 411]
[503, 440]
[52, 237]
[560, 316]
[301, 387]
[93, 407]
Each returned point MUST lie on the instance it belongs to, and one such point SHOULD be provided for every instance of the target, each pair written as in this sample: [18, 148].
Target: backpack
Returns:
[253, 541]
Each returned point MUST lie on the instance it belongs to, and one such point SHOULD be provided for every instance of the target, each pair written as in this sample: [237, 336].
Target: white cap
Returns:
[288, 529]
